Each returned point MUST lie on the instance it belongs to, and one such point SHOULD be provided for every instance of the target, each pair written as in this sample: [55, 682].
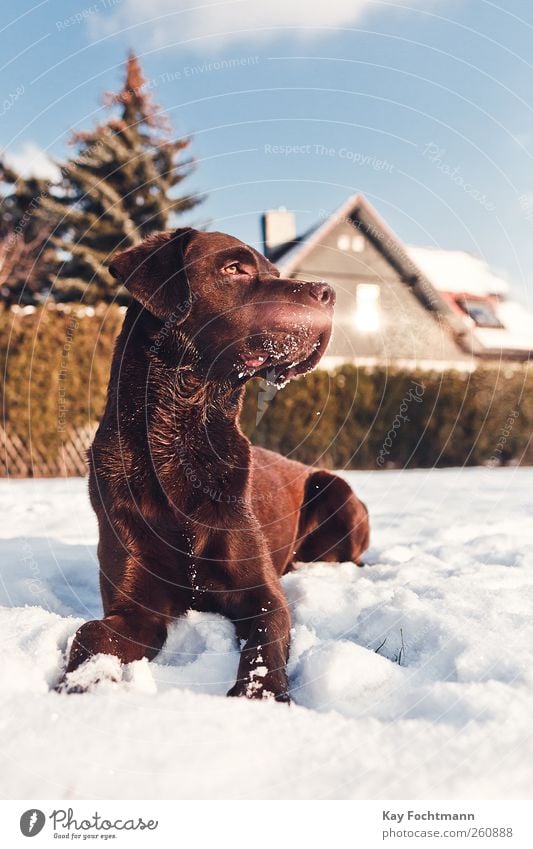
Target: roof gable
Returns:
[356, 251]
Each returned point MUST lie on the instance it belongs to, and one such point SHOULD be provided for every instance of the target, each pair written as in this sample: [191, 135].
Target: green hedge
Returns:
[361, 419]
[54, 371]
[55, 367]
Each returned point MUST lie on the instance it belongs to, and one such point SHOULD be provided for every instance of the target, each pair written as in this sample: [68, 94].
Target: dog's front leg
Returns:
[139, 602]
[262, 667]
[248, 591]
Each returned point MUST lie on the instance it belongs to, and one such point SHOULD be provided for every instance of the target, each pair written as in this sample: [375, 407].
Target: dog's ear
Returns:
[155, 273]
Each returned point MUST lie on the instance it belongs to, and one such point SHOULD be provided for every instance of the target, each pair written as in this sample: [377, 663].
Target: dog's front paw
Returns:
[267, 686]
[97, 670]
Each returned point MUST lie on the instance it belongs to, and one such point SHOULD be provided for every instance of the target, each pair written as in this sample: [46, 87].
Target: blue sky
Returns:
[426, 106]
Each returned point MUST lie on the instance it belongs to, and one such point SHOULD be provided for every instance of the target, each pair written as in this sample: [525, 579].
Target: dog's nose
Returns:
[323, 293]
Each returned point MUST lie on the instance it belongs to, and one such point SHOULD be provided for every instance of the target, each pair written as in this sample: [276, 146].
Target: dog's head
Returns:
[231, 303]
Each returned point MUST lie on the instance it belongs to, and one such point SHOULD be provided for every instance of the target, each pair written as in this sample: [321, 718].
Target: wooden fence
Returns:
[21, 460]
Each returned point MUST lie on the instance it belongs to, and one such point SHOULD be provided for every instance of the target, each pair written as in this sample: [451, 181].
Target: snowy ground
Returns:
[448, 592]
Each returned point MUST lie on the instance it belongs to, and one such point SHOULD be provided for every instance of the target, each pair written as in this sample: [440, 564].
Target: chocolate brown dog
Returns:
[190, 515]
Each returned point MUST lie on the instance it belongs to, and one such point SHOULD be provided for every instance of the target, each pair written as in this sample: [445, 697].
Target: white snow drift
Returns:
[411, 677]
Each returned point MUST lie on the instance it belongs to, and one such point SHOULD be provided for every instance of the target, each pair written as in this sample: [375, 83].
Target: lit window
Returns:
[343, 242]
[358, 244]
[367, 317]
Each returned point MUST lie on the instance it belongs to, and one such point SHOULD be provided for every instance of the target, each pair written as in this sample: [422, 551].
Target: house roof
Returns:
[428, 272]
[458, 271]
[358, 209]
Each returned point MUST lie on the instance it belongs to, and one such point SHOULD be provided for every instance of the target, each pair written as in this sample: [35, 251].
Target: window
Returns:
[367, 318]
[481, 311]
[356, 243]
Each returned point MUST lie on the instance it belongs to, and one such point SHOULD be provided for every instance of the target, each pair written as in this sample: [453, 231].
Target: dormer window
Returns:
[481, 311]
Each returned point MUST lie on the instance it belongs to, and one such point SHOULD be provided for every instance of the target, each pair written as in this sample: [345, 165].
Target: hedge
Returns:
[362, 419]
[54, 371]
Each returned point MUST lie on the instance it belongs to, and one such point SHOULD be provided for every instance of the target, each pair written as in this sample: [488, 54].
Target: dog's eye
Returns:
[232, 269]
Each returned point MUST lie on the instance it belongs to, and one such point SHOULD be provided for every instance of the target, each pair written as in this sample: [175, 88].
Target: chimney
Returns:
[278, 227]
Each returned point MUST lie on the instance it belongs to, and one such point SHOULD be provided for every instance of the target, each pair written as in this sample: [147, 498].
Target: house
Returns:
[501, 327]
[397, 305]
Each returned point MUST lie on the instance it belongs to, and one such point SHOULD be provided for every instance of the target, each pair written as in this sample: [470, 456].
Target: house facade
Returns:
[397, 306]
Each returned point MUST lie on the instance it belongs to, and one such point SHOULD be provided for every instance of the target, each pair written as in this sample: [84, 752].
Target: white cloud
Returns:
[32, 161]
[167, 21]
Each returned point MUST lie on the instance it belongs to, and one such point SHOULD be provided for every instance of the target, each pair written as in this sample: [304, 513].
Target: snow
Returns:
[517, 331]
[464, 273]
[458, 271]
[411, 677]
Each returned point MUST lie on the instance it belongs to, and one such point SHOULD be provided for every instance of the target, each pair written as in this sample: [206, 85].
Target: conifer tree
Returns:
[27, 261]
[118, 187]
